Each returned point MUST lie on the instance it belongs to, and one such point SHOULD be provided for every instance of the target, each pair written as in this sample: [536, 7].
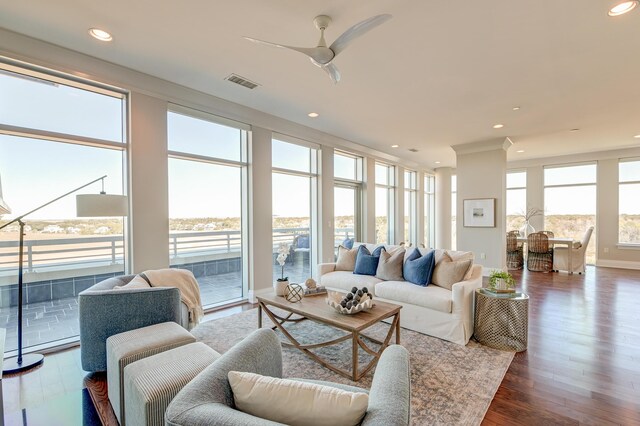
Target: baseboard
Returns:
[253, 294]
[622, 264]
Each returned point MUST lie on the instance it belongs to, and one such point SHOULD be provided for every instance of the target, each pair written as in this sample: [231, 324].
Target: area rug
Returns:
[450, 384]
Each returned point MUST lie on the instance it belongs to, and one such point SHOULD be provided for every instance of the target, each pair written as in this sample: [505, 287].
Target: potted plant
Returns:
[280, 286]
[501, 281]
[527, 228]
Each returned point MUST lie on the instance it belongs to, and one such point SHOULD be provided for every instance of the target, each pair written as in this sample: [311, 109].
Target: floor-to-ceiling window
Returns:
[56, 135]
[347, 172]
[454, 198]
[570, 202]
[294, 194]
[516, 199]
[385, 202]
[429, 210]
[629, 201]
[207, 197]
[410, 208]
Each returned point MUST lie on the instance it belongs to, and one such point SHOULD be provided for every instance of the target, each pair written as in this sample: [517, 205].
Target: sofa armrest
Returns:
[325, 268]
[103, 313]
[463, 294]
[390, 394]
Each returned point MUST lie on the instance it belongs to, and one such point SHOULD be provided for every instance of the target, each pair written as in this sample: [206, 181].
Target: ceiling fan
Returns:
[323, 56]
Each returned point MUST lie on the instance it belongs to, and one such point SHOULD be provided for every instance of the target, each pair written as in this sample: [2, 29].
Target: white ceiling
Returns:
[440, 73]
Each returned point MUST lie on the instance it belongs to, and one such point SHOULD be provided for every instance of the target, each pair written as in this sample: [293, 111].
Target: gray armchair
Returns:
[105, 311]
[208, 399]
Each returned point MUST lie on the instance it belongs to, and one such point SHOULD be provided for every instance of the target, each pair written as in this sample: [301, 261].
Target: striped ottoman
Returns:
[130, 346]
[151, 383]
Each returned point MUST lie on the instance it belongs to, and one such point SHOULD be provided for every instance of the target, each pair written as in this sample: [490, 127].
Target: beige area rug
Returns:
[450, 384]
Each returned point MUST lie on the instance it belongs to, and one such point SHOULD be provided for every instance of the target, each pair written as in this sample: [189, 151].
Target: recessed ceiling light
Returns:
[498, 126]
[520, 151]
[516, 108]
[394, 146]
[574, 130]
[99, 34]
[637, 136]
[313, 114]
[437, 162]
[622, 8]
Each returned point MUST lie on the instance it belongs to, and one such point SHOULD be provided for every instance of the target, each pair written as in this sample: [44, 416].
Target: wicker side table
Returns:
[502, 320]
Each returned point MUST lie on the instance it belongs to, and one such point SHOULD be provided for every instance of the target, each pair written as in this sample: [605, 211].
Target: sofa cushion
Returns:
[432, 297]
[136, 282]
[367, 262]
[448, 272]
[462, 255]
[348, 243]
[344, 280]
[390, 265]
[418, 269]
[346, 259]
[296, 403]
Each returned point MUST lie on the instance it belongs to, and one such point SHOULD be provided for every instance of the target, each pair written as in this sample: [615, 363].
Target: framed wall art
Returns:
[479, 213]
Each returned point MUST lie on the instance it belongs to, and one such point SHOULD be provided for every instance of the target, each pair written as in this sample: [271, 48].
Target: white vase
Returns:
[526, 229]
[501, 284]
[280, 287]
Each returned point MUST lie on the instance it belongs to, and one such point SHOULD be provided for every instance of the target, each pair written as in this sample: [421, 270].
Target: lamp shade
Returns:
[101, 205]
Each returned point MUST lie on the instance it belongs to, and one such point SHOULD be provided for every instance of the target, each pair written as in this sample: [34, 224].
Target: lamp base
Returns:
[29, 361]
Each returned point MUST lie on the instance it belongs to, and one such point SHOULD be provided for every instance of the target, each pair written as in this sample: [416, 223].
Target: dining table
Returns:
[560, 242]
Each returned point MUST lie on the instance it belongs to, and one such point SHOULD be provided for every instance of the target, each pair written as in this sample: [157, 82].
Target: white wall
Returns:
[443, 207]
[481, 173]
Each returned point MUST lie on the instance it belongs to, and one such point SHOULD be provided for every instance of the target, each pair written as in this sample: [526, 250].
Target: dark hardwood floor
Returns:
[582, 365]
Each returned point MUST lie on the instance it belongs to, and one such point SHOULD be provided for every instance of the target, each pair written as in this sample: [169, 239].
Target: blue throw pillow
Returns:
[348, 243]
[418, 269]
[367, 262]
[303, 241]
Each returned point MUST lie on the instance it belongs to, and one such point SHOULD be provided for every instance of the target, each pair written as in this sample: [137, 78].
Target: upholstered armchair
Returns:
[515, 258]
[578, 255]
[208, 398]
[105, 311]
[539, 253]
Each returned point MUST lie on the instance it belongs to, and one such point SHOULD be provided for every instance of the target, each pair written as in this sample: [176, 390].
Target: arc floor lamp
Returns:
[87, 205]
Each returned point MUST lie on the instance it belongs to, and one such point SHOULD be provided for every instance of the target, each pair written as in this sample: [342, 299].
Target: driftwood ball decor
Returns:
[294, 293]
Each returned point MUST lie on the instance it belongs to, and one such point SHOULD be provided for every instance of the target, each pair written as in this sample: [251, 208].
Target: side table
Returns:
[502, 320]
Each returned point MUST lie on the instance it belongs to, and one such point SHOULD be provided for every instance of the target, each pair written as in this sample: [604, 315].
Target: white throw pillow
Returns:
[296, 403]
[136, 282]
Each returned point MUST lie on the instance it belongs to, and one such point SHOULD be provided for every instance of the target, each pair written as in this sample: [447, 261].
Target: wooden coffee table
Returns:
[315, 308]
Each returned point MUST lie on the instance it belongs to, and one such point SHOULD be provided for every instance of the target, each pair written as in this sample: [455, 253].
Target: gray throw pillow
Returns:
[346, 259]
[390, 265]
[448, 272]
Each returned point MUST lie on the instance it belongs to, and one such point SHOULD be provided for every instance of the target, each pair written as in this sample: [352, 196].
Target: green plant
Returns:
[501, 275]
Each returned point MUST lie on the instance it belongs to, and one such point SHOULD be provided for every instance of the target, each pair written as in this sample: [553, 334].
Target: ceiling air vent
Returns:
[413, 150]
[235, 78]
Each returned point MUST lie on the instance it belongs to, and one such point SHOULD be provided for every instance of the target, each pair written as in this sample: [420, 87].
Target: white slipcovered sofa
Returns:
[433, 310]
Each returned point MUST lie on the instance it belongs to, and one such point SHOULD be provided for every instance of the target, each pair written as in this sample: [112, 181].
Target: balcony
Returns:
[57, 269]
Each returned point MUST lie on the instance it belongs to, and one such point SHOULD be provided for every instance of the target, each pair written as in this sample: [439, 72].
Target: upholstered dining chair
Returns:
[539, 254]
[515, 257]
[578, 255]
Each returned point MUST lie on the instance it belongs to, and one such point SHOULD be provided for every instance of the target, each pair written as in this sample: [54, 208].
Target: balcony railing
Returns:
[83, 252]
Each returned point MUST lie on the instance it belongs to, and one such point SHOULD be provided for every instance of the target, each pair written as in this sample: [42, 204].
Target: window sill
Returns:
[628, 246]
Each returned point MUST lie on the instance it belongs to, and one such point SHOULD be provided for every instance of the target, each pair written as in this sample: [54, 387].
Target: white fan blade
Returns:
[333, 72]
[309, 51]
[356, 31]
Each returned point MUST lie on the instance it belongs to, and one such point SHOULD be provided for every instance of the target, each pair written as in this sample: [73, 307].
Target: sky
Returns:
[34, 171]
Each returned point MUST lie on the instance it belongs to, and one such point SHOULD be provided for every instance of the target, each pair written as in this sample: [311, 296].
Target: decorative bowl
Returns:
[334, 298]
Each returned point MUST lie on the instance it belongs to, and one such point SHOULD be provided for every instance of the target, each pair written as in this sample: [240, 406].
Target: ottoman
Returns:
[151, 383]
[130, 346]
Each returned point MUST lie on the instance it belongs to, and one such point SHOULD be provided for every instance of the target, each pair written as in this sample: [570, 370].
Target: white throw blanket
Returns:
[186, 283]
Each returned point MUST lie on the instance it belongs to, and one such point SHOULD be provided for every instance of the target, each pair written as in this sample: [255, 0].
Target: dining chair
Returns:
[549, 234]
[539, 254]
[515, 257]
[578, 255]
